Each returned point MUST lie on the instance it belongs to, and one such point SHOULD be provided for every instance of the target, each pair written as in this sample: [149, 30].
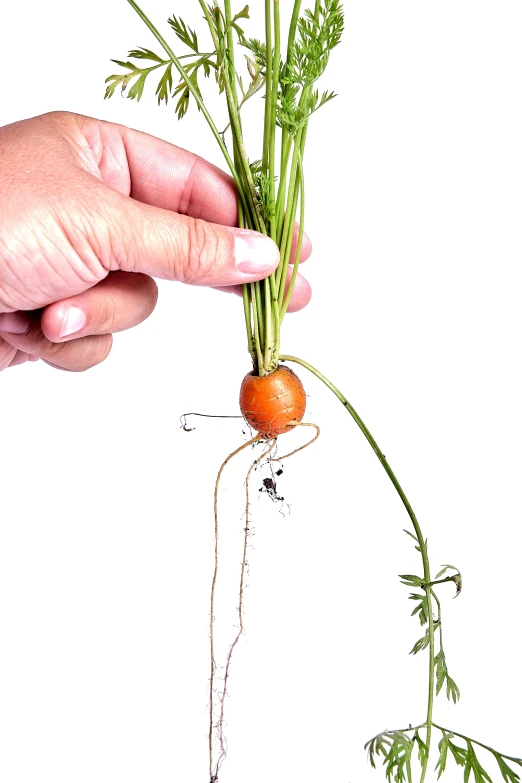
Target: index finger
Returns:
[158, 173]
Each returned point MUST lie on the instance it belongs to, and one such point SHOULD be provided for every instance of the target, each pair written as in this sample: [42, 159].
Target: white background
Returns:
[414, 206]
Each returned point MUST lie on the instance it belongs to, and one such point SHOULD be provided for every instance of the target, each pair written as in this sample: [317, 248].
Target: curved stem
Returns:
[422, 542]
[476, 742]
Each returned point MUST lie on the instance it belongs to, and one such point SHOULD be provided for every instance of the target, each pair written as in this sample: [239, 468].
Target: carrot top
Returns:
[270, 189]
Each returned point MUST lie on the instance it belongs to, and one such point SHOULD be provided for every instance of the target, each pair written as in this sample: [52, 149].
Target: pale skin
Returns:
[90, 213]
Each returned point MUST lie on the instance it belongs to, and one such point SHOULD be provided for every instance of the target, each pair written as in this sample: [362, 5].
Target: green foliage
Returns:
[509, 775]
[137, 73]
[244, 14]
[456, 577]
[411, 580]
[423, 751]
[396, 748]
[293, 115]
[319, 32]
[184, 33]
[164, 88]
[466, 757]
[258, 50]
[205, 62]
[262, 186]
[411, 535]
[422, 607]
[423, 642]
[441, 674]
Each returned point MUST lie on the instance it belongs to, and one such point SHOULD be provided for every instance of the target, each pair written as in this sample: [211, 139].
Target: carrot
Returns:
[271, 197]
[272, 404]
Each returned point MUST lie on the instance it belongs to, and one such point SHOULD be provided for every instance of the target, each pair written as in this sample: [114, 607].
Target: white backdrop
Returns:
[414, 206]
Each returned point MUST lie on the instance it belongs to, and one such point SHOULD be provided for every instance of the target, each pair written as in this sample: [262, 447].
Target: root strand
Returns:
[218, 728]
[240, 605]
[305, 446]
[213, 777]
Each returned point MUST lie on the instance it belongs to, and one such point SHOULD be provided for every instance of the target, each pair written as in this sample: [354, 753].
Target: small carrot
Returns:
[271, 197]
[272, 404]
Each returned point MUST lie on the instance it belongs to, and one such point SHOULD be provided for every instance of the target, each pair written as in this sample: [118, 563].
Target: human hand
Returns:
[90, 213]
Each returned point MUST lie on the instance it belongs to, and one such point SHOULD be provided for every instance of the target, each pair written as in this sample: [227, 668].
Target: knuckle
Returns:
[201, 252]
[107, 314]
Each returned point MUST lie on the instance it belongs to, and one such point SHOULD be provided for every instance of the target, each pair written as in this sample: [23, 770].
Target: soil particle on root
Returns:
[269, 486]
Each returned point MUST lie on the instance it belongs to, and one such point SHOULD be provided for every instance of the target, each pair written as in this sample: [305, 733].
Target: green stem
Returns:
[260, 316]
[293, 28]
[277, 322]
[299, 242]
[475, 742]
[286, 139]
[422, 543]
[289, 219]
[438, 615]
[254, 287]
[233, 113]
[398, 731]
[286, 149]
[247, 311]
[273, 112]
[269, 324]
[230, 54]
[193, 92]
[441, 581]
[268, 90]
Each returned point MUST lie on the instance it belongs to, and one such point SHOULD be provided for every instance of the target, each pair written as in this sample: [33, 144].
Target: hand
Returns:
[90, 213]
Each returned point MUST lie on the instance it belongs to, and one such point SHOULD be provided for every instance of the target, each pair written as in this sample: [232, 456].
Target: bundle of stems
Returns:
[270, 190]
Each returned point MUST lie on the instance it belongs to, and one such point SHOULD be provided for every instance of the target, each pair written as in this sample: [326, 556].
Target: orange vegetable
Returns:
[272, 404]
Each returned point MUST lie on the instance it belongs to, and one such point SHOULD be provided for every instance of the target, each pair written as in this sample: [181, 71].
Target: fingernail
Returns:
[73, 321]
[255, 253]
[14, 323]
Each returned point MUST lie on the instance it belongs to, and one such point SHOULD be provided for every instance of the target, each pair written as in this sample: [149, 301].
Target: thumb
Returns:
[168, 245]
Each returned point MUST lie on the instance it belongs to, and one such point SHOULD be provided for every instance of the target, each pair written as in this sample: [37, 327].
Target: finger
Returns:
[75, 355]
[7, 354]
[141, 238]
[21, 358]
[10, 356]
[158, 173]
[162, 175]
[301, 294]
[119, 302]
[89, 229]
